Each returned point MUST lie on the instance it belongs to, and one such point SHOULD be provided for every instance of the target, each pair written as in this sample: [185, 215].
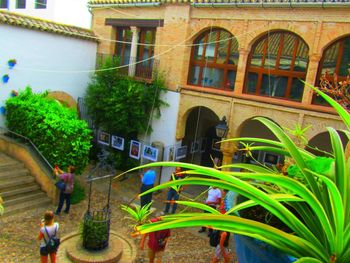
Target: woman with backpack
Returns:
[48, 235]
[65, 194]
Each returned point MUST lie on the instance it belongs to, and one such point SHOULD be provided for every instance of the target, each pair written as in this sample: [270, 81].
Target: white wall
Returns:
[164, 129]
[70, 12]
[40, 58]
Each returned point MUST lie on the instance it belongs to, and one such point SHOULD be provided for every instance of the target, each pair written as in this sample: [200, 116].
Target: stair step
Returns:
[16, 181]
[12, 191]
[10, 165]
[12, 173]
[27, 197]
[23, 207]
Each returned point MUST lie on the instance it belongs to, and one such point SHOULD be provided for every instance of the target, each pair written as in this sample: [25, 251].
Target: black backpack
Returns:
[214, 238]
[53, 243]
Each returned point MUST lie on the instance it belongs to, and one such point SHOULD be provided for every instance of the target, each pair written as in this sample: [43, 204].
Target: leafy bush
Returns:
[78, 193]
[57, 132]
[121, 104]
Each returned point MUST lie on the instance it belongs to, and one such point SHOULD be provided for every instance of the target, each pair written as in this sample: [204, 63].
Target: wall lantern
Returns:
[221, 128]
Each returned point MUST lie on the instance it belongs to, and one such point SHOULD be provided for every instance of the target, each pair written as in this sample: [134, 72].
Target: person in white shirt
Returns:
[48, 228]
[213, 200]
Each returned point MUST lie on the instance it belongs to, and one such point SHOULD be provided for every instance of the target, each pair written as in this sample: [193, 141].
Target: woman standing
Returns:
[48, 228]
[68, 179]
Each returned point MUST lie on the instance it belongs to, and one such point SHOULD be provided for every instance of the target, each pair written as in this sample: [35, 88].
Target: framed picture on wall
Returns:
[181, 152]
[103, 138]
[203, 144]
[118, 142]
[150, 153]
[271, 158]
[135, 149]
[215, 145]
[195, 147]
[170, 154]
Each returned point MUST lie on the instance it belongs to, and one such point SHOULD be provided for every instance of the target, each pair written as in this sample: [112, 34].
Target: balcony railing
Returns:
[131, 66]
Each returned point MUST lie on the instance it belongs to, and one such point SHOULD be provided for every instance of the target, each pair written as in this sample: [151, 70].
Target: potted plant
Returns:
[316, 207]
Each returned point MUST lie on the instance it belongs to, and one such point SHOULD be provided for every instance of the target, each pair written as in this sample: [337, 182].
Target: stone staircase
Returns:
[18, 188]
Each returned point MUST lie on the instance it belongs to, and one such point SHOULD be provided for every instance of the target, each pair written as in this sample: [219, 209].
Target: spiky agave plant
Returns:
[314, 206]
[139, 214]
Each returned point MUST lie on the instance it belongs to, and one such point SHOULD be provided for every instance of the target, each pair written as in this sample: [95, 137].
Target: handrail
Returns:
[31, 143]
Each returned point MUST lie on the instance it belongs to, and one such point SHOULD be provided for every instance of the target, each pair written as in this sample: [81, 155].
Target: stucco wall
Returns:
[45, 61]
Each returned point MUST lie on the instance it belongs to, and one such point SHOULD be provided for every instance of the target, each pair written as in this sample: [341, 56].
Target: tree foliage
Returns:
[120, 104]
[56, 130]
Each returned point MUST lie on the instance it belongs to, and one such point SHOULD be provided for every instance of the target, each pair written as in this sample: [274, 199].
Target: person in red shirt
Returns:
[156, 243]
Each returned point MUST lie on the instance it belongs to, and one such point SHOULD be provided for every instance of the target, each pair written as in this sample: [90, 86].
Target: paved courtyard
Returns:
[18, 233]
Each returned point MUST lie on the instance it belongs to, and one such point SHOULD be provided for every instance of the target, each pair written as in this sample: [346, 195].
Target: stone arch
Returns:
[190, 103]
[64, 98]
[201, 28]
[322, 141]
[332, 41]
[276, 28]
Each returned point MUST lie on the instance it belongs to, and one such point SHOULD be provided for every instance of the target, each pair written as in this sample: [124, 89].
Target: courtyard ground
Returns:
[18, 233]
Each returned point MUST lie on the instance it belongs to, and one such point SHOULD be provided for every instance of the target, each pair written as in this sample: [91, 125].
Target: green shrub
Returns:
[78, 193]
[57, 132]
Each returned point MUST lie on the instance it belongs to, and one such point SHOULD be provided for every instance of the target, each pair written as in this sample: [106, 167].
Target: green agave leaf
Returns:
[337, 212]
[302, 191]
[294, 152]
[278, 197]
[244, 188]
[199, 206]
[290, 244]
[278, 145]
[307, 260]
[341, 175]
[340, 110]
[246, 166]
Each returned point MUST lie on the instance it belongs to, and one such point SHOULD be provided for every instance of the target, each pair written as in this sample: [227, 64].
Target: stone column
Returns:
[241, 68]
[311, 78]
[133, 51]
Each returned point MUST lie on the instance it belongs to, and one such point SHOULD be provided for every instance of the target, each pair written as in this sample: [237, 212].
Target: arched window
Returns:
[214, 59]
[276, 63]
[335, 61]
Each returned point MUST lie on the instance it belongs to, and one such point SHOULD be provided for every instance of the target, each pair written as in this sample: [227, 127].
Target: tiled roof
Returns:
[14, 19]
[225, 2]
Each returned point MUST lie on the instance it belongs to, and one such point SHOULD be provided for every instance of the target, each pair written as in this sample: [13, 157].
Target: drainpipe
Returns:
[125, 5]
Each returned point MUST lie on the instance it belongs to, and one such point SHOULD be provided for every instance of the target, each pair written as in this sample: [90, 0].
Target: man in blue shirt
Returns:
[147, 180]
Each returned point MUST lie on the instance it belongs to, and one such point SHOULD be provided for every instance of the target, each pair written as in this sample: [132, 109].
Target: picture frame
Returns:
[195, 146]
[117, 142]
[181, 152]
[203, 144]
[170, 154]
[135, 149]
[215, 146]
[103, 138]
[271, 158]
[150, 153]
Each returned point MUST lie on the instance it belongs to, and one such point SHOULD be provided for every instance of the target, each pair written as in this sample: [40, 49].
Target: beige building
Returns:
[238, 59]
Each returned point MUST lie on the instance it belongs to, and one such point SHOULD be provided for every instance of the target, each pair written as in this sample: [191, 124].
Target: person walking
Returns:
[147, 180]
[157, 241]
[65, 194]
[221, 250]
[173, 194]
[48, 228]
[213, 199]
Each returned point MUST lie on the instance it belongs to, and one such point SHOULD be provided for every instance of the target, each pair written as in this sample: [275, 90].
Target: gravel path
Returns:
[18, 233]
